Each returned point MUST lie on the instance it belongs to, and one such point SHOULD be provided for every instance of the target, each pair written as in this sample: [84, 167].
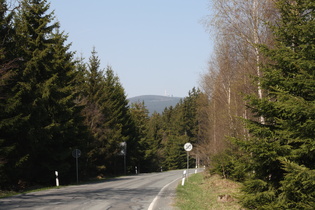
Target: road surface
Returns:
[144, 191]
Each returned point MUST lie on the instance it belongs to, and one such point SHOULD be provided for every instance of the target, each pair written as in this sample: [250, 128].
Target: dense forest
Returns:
[251, 120]
[53, 103]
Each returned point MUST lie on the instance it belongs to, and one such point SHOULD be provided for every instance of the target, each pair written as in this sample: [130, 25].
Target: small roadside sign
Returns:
[76, 153]
[188, 147]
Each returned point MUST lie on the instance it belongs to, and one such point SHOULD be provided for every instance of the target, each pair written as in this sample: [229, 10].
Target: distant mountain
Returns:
[155, 103]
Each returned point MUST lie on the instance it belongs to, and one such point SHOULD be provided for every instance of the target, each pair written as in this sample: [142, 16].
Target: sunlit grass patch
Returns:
[208, 192]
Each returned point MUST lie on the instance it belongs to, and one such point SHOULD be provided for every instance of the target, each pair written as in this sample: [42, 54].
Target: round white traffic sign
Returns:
[188, 147]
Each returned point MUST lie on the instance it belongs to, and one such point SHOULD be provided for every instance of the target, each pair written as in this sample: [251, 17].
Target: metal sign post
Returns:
[188, 147]
[187, 165]
[76, 154]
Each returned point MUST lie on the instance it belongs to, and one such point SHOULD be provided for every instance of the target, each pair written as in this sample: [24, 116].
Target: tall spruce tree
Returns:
[42, 123]
[140, 117]
[190, 117]
[93, 94]
[7, 64]
[107, 117]
[92, 91]
[154, 139]
[119, 123]
[174, 137]
[282, 148]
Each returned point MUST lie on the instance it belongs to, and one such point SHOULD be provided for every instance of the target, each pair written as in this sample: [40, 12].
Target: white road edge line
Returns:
[160, 193]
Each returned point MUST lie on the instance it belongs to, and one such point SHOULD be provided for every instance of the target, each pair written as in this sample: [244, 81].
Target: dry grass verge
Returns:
[208, 192]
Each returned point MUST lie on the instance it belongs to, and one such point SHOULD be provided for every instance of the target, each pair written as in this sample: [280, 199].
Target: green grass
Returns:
[6, 193]
[201, 192]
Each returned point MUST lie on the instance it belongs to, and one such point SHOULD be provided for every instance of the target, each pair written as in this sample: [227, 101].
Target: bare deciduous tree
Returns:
[240, 27]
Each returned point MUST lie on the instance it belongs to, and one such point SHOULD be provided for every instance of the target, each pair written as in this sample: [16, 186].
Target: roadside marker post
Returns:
[57, 179]
[183, 179]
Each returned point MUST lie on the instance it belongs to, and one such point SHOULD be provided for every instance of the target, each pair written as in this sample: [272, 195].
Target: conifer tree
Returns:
[7, 58]
[283, 146]
[118, 121]
[155, 136]
[93, 94]
[174, 137]
[175, 155]
[7, 64]
[42, 123]
[140, 117]
[190, 117]
[92, 91]
[107, 117]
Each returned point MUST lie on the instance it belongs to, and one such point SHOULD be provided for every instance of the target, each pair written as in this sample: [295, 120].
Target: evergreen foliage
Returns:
[154, 141]
[118, 121]
[297, 187]
[140, 117]
[107, 117]
[190, 117]
[91, 92]
[51, 104]
[288, 107]
[42, 122]
[232, 164]
[180, 125]
[7, 63]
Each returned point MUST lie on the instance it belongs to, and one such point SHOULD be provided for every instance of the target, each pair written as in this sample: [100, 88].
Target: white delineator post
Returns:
[184, 176]
[57, 180]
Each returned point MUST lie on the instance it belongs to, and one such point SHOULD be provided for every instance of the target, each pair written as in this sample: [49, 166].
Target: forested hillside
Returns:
[155, 103]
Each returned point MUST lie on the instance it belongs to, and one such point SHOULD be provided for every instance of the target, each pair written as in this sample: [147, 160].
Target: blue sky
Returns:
[154, 46]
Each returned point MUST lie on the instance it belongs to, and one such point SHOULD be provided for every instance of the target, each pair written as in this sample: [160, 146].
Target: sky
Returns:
[156, 47]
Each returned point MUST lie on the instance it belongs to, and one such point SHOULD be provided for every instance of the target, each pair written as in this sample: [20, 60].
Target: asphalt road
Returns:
[144, 191]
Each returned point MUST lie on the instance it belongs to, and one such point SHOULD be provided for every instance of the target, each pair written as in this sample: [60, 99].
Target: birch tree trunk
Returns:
[240, 27]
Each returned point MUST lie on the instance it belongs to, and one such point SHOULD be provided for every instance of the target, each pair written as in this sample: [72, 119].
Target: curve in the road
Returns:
[159, 194]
